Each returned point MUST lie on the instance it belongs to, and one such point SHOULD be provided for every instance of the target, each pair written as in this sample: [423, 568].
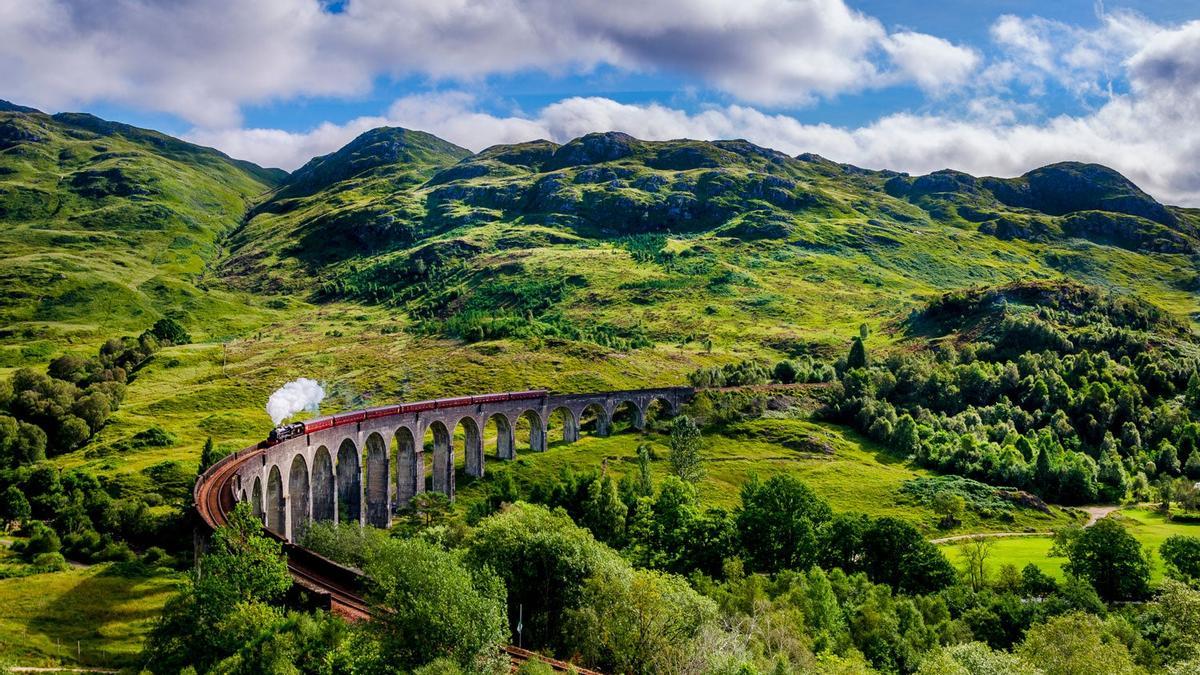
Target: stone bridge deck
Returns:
[364, 472]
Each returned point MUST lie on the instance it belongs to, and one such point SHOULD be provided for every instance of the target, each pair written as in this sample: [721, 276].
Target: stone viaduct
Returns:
[365, 471]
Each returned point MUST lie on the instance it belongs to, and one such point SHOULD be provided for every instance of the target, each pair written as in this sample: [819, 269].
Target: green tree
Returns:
[639, 621]
[1192, 466]
[1181, 554]
[1192, 394]
[603, 511]
[685, 443]
[905, 438]
[433, 604]
[208, 455]
[169, 331]
[544, 559]
[1168, 458]
[1075, 644]
[950, 506]
[14, 507]
[784, 372]
[858, 354]
[779, 521]
[973, 658]
[895, 553]
[1114, 482]
[72, 432]
[644, 482]
[241, 575]
[1111, 559]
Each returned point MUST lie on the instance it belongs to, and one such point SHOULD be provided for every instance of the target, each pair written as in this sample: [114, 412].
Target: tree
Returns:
[906, 438]
[639, 621]
[169, 331]
[14, 507]
[1192, 394]
[974, 553]
[973, 658]
[779, 521]
[1114, 482]
[1111, 559]
[544, 559]
[1073, 644]
[208, 455]
[785, 372]
[1181, 554]
[1192, 466]
[604, 512]
[434, 605]
[72, 433]
[644, 482]
[685, 442]
[241, 575]
[895, 553]
[1168, 458]
[858, 354]
[950, 506]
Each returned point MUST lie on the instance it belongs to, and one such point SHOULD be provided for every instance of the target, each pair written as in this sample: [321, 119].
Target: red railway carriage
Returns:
[419, 406]
[318, 424]
[490, 398]
[525, 395]
[383, 411]
[349, 417]
[453, 402]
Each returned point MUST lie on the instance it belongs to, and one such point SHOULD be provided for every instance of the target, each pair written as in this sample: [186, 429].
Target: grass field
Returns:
[849, 471]
[1149, 527]
[84, 616]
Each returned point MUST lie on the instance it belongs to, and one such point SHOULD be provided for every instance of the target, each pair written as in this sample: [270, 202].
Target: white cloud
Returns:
[1038, 51]
[204, 59]
[933, 63]
[1150, 134]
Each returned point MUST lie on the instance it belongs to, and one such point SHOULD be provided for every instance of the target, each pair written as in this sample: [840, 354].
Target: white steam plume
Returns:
[291, 398]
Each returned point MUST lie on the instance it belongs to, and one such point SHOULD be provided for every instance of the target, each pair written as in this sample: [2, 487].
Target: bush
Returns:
[50, 562]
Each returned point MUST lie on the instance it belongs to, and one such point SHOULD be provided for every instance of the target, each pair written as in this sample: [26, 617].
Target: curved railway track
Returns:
[337, 584]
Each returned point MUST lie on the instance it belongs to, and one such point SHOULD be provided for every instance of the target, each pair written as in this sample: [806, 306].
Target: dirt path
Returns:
[1097, 512]
[1094, 513]
[987, 535]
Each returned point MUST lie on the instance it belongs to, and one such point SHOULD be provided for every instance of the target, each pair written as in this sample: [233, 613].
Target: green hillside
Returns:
[107, 227]
[625, 243]
[952, 331]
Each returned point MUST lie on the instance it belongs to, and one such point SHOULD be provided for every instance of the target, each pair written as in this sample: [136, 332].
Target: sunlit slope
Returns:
[105, 227]
[626, 243]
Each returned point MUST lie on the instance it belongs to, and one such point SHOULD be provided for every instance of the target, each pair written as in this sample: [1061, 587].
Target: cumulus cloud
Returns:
[933, 63]
[204, 59]
[1148, 134]
[1037, 52]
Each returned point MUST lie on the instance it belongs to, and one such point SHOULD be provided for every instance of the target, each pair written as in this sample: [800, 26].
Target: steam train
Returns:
[284, 432]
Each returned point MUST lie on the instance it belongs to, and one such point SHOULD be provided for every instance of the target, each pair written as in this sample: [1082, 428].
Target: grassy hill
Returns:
[107, 227]
[404, 267]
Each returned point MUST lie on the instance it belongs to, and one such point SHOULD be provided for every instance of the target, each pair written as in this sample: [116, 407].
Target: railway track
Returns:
[324, 578]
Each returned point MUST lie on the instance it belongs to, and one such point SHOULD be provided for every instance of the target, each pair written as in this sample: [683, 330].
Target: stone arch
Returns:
[443, 459]
[569, 424]
[276, 503]
[598, 421]
[472, 445]
[627, 413]
[256, 495]
[299, 499]
[410, 467]
[506, 442]
[376, 484]
[537, 429]
[658, 408]
[349, 483]
[324, 504]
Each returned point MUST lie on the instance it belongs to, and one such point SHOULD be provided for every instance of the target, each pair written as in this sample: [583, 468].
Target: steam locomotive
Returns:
[284, 432]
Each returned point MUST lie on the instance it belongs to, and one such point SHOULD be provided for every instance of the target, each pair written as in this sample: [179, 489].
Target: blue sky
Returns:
[989, 87]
